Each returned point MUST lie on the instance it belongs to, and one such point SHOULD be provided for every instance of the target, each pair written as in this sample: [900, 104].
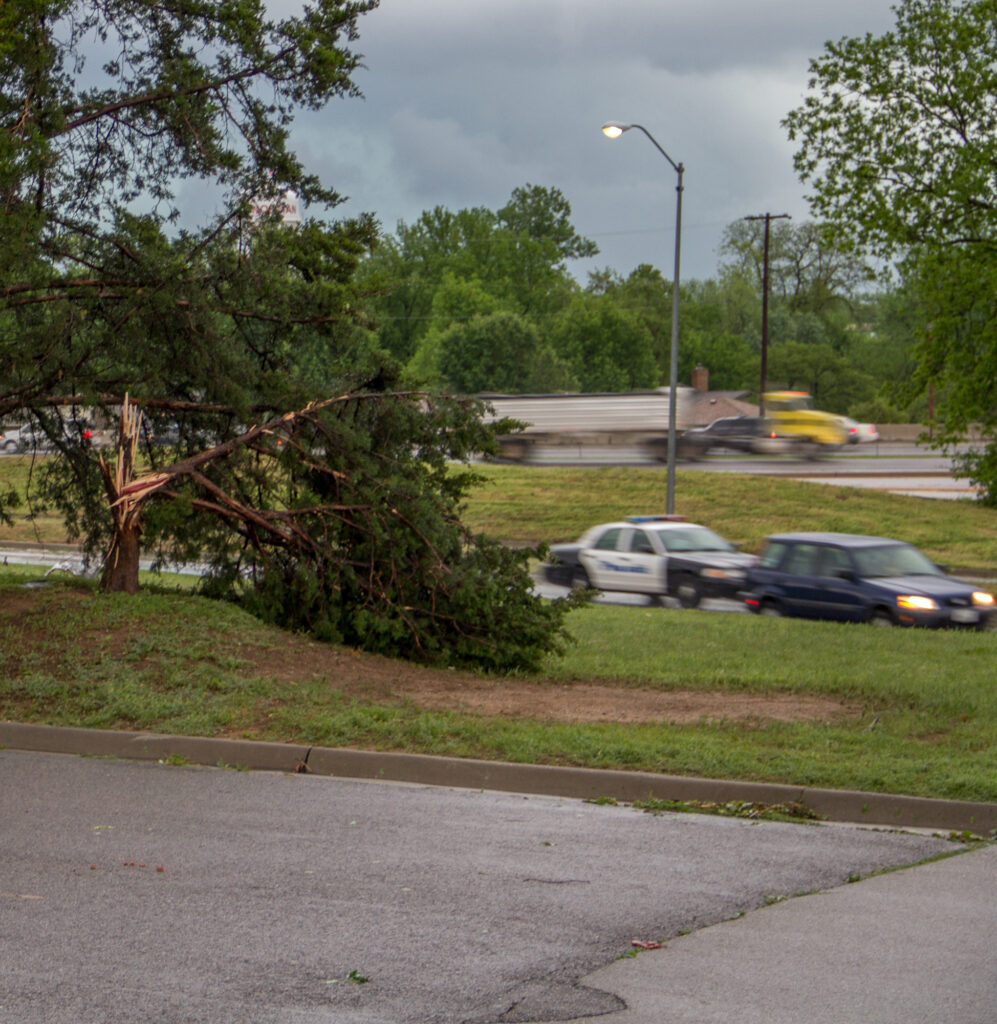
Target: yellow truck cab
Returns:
[792, 416]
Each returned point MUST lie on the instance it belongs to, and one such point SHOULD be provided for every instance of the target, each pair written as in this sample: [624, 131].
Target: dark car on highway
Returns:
[853, 578]
[657, 555]
[733, 433]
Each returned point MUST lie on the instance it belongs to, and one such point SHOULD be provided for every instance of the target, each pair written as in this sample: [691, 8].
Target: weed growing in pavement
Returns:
[175, 760]
[968, 838]
[733, 809]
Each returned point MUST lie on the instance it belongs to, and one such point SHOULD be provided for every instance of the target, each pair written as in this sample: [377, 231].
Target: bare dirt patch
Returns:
[585, 702]
[369, 677]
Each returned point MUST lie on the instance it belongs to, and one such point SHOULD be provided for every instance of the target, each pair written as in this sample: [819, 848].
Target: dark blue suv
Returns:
[860, 579]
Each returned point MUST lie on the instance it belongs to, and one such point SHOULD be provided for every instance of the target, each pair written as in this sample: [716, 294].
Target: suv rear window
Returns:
[834, 561]
[802, 560]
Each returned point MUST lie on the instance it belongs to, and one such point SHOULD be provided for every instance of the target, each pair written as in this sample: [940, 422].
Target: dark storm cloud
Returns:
[468, 99]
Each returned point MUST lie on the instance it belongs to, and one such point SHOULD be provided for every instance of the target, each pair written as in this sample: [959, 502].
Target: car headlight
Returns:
[983, 598]
[724, 574]
[916, 602]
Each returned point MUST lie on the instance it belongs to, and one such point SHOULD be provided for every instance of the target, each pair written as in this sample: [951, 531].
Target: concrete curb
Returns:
[578, 783]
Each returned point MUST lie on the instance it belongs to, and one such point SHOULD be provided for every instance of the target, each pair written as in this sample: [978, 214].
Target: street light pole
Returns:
[613, 130]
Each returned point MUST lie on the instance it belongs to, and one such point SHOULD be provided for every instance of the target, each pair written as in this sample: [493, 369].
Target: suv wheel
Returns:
[881, 617]
[771, 609]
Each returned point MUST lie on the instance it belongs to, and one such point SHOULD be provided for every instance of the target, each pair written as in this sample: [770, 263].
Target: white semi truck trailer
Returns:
[633, 418]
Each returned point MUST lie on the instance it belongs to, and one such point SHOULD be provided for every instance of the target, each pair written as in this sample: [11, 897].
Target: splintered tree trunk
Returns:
[121, 564]
[126, 494]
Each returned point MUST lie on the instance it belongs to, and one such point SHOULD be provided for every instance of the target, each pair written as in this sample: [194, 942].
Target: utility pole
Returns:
[768, 218]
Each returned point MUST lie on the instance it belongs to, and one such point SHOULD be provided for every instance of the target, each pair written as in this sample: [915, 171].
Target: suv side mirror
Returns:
[846, 574]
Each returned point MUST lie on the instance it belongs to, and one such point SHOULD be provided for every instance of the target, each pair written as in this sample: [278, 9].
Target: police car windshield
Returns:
[693, 538]
[894, 560]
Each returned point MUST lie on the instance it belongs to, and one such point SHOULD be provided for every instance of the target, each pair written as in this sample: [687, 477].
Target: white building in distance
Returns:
[287, 205]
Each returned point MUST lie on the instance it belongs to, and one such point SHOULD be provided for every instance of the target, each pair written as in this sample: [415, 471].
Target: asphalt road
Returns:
[897, 467]
[179, 895]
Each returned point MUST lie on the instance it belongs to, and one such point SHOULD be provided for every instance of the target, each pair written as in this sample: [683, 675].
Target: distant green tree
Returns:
[718, 322]
[807, 271]
[550, 373]
[829, 377]
[542, 241]
[719, 329]
[731, 361]
[406, 270]
[456, 301]
[489, 353]
[882, 342]
[543, 215]
[519, 255]
[896, 140]
[606, 347]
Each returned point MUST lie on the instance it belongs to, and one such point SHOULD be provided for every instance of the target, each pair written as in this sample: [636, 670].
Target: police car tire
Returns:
[580, 579]
[687, 591]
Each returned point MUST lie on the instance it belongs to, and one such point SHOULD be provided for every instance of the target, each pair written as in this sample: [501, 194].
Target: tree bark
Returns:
[121, 566]
[120, 573]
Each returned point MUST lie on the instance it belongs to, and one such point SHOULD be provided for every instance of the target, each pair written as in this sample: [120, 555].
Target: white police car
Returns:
[656, 555]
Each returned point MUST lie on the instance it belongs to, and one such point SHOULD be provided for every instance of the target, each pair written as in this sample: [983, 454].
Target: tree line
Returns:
[480, 301]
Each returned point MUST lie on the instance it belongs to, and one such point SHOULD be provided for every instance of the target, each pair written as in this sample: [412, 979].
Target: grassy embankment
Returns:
[926, 701]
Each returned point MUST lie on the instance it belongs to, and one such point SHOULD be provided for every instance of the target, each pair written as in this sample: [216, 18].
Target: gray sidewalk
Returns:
[915, 946]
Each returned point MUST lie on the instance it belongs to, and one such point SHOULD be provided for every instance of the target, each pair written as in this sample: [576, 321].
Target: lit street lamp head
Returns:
[614, 129]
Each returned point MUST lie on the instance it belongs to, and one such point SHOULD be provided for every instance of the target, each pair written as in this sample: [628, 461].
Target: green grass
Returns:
[926, 700]
[925, 703]
[32, 522]
[924, 718]
[529, 504]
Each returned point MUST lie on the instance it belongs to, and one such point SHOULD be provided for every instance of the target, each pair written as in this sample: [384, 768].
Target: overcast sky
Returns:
[467, 99]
